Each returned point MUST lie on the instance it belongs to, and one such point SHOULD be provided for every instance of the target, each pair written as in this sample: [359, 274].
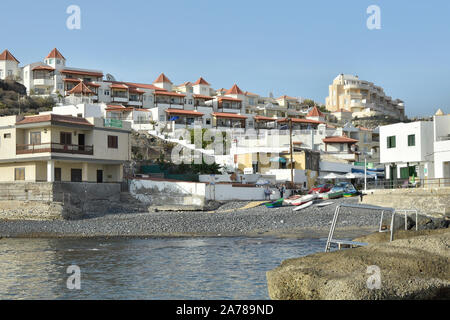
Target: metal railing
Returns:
[407, 183]
[54, 147]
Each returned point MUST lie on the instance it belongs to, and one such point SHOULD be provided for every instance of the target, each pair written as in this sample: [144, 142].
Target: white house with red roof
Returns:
[9, 66]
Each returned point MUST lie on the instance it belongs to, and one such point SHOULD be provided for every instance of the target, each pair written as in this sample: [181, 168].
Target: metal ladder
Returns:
[383, 210]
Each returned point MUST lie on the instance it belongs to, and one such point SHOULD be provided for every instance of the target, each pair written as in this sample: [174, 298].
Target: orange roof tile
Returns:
[91, 84]
[167, 93]
[297, 120]
[262, 118]
[229, 99]
[342, 139]
[251, 94]
[235, 90]
[71, 80]
[143, 86]
[81, 88]
[185, 112]
[286, 98]
[315, 112]
[118, 86]
[6, 55]
[81, 72]
[201, 81]
[162, 79]
[228, 115]
[55, 119]
[200, 96]
[43, 68]
[55, 54]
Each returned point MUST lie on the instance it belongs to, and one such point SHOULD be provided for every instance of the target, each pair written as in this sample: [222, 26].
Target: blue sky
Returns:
[285, 47]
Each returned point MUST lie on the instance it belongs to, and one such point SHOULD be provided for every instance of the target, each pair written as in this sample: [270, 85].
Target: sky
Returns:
[294, 47]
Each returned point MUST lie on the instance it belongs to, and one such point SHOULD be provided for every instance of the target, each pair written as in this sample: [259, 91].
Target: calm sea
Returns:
[186, 268]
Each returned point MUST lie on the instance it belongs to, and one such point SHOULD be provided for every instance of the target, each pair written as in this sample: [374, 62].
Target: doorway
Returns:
[58, 175]
[81, 142]
[76, 175]
[99, 176]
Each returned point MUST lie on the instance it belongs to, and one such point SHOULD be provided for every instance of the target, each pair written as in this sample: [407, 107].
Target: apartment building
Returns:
[62, 148]
[362, 98]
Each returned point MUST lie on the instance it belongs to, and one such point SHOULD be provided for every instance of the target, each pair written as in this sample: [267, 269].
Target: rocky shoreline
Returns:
[230, 219]
[416, 266]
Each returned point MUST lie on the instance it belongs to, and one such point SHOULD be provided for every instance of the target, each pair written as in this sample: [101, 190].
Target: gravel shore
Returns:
[227, 220]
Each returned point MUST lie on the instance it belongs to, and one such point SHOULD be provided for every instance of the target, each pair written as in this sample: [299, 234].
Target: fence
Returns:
[406, 183]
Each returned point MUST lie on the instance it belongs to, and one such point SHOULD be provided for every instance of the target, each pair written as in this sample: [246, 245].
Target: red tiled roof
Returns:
[81, 88]
[251, 94]
[200, 96]
[201, 81]
[167, 93]
[187, 83]
[43, 68]
[229, 99]
[135, 90]
[262, 118]
[84, 73]
[185, 112]
[55, 119]
[342, 139]
[143, 86]
[71, 80]
[286, 98]
[118, 86]
[228, 115]
[55, 54]
[162, 79]
[6, 55]
[235, 90]
[297, 120]
[315, 112]
[112, 106]
[91, 84]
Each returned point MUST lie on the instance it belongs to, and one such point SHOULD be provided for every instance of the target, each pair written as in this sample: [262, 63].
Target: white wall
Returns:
[402, 153]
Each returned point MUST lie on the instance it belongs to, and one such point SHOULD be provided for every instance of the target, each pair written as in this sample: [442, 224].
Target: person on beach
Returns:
[282, 190]
[267, 193]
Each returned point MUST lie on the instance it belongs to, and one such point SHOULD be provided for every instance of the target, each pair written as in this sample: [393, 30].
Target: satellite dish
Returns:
[110, 77]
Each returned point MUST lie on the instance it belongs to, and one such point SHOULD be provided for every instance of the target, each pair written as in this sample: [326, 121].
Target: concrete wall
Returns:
[434, 202]
[226, 192]
[165, 194]
[57, 200]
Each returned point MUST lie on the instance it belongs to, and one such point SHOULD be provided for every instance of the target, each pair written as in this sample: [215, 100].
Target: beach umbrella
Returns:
[332, 176]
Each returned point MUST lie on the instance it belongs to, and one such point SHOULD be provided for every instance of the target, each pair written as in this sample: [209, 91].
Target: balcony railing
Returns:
[53, 147]
[443, 138]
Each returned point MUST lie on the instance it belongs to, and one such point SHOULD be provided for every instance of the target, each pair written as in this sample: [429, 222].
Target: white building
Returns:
[9, 66]
[406, 149]
[442, 147]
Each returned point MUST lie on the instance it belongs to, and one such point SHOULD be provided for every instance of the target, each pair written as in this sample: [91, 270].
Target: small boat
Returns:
[275, 204]
[305, 199]
[292, 199]
[304, 206]
[324, 204]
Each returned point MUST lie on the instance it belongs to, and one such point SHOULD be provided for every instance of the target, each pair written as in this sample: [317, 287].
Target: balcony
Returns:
[135, 103]
[119, 99]
[53, 147]
[45, 82]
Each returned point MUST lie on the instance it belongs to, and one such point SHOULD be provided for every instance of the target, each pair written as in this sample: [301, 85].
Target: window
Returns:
[58, 61]
[35, 138]
[58, 175]
[391, 142]
[113, 142]
[7, 136]
[65, 138]
[161, 118]
[10, 73]
[411, 140]
[208, 121]
[107, 93]
[50, 61]
[19, 174]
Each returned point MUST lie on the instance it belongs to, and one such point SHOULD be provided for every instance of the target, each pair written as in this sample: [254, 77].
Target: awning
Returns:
[184, 112]
[278, 159]
[229, 115]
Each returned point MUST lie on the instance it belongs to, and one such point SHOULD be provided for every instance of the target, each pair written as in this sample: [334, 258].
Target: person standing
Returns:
[267, 193]
[282, 190]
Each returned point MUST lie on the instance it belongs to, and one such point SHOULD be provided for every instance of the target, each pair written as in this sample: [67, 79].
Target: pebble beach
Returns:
[228, 220]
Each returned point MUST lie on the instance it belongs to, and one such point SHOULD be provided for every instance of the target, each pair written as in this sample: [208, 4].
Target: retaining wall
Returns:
[433, 201]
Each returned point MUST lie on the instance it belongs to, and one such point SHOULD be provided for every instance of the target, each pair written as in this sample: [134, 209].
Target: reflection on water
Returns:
[200, 268]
